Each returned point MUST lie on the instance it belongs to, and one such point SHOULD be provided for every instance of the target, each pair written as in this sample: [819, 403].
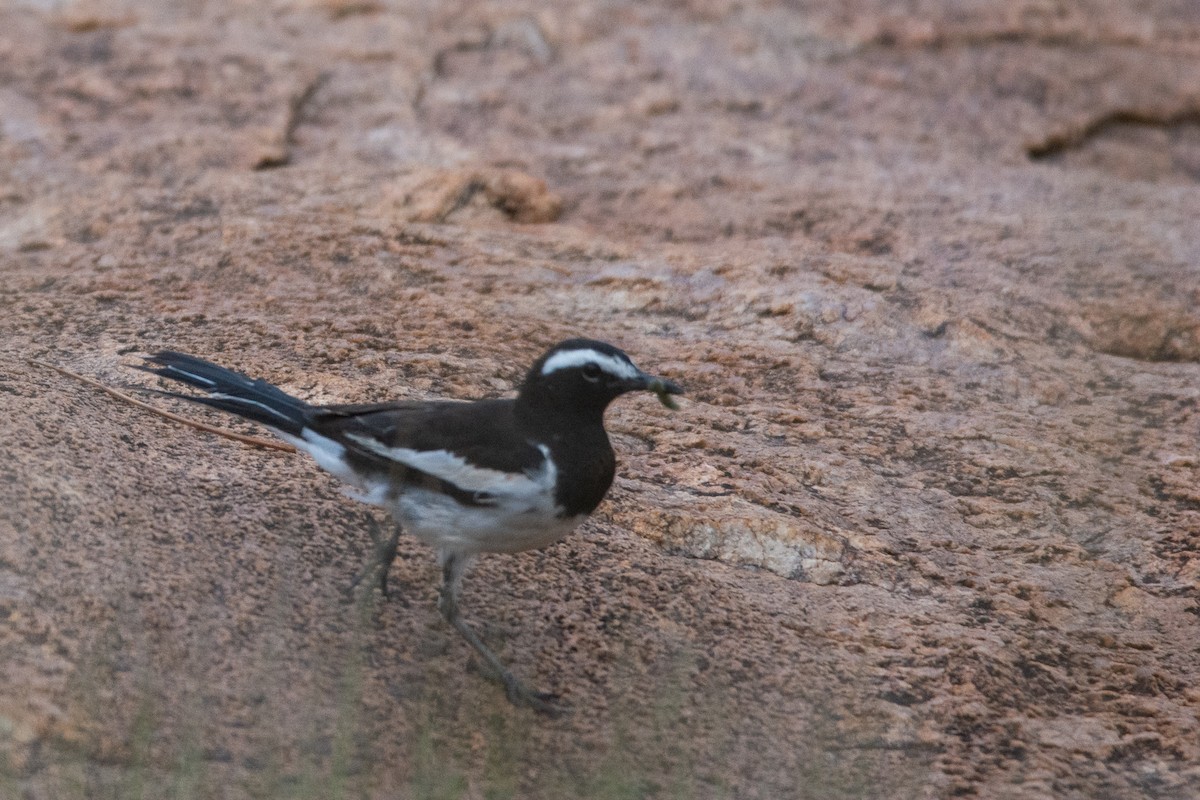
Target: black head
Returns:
[584, 375]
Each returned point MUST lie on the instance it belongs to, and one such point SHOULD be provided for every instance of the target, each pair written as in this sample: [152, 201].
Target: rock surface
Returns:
[927, 525]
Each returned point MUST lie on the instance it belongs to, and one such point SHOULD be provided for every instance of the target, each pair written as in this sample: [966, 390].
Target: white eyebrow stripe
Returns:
[577, 358]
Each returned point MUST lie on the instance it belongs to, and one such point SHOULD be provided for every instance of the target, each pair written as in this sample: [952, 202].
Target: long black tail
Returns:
[231, 391]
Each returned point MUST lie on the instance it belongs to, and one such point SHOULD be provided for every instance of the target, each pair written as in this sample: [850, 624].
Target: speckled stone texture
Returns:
[927, 524]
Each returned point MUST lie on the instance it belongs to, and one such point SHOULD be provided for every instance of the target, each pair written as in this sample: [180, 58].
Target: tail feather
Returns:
[231, 391]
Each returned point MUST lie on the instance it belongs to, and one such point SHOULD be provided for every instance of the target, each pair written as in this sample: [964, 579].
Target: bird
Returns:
[498, 475]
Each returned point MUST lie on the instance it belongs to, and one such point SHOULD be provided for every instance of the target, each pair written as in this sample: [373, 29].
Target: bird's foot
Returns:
[367, 575]
[519, 694]
[381, 558]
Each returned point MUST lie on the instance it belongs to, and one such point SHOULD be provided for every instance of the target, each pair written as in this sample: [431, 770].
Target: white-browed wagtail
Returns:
[489, 476]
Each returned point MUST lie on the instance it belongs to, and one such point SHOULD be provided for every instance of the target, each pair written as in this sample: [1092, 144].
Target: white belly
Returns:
[507, 527]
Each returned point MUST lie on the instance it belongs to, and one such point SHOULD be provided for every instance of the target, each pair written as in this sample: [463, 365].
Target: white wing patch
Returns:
[577, 358]
[524, 516]
[468, 477]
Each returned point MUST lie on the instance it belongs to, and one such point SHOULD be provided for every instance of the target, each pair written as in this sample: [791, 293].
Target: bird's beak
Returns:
[660, 386]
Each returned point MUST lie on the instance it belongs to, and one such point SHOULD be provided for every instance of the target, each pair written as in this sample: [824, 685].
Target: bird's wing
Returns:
[470, 451]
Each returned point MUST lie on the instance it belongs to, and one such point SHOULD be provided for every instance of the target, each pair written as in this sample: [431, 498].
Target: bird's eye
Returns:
[592, 372]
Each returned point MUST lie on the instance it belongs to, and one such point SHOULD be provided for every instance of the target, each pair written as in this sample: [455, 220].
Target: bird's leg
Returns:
[383, 556]
[386, 554]
[518, 694]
